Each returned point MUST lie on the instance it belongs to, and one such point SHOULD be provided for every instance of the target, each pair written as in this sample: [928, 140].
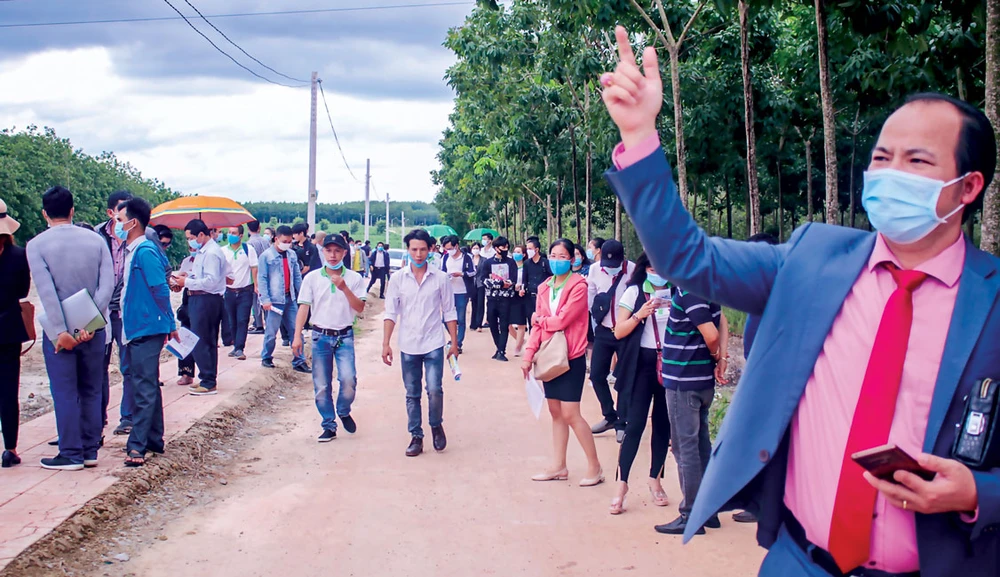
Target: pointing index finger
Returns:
[625, 53]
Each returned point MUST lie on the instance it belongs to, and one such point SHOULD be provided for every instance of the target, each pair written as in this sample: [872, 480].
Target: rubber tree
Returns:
[990, 232]
[829, 116]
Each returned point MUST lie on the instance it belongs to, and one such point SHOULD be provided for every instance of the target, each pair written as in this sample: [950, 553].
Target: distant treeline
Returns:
[417, 213]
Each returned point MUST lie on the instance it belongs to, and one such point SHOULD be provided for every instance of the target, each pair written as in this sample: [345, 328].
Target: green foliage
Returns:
[417, 213]
[717, 413]
[355, 227]
[737, 320]
[33, 160]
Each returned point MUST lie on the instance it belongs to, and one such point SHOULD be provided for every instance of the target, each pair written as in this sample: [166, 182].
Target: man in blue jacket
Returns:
[279, 280]
[147, 320]
[834, 369]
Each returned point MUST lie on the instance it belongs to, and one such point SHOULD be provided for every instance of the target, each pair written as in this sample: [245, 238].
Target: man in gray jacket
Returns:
[74, 360]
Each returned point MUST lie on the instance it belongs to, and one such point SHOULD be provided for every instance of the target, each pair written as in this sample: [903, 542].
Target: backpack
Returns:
[605, 300]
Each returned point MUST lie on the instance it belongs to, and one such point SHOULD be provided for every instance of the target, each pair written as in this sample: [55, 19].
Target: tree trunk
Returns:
[753, 192]
[675, 81]
[780, 214]
[854, 149]
[708, 209]
[559, 191]
[548, 218]
[618, 219]
[990, 231]
[729, 211]
[694, 200]
[576, 199]
[809, 181]
[829, 118]
[588, 191]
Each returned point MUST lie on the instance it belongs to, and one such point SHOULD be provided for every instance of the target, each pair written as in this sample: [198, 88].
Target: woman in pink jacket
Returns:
[562, 306]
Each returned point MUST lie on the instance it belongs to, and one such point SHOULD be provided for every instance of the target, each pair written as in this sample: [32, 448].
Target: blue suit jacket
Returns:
[798, 288]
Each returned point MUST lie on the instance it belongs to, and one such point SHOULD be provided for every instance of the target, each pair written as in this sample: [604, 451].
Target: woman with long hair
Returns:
[562, 307]
[15, 281]
[643, 312]
[581, 264]
[519, 304]
[479, 297]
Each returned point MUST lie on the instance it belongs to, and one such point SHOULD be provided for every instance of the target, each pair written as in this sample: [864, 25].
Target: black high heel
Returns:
[10, 459]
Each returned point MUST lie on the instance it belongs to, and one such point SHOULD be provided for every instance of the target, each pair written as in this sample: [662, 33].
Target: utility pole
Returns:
[311, 211]
[368, 179]
[387, 218]
[402, 224]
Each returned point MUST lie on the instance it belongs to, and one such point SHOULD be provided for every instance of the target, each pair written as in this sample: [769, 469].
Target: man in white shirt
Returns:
[334, 296]
[419, 297]
[461, 272]
[241, 260]
[613, 271]
[206, 284]
[488, 251]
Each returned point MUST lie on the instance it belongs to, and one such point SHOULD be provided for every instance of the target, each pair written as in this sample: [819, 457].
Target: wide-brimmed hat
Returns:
[7, 223]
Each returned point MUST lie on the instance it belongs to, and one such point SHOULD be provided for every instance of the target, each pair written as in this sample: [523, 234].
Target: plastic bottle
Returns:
[456, 371]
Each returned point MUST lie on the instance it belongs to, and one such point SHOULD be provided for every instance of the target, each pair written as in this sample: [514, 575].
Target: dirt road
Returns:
[358, 506]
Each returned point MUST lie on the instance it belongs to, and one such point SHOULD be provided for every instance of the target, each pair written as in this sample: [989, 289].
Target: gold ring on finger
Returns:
[904, 504]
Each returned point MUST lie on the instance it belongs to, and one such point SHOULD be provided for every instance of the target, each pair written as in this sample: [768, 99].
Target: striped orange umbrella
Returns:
[216, 211]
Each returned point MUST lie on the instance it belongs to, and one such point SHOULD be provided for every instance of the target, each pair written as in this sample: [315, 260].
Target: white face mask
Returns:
[283, 246]
[475, 251]
[532, 252]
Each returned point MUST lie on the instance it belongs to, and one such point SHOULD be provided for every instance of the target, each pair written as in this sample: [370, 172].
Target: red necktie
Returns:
[288, 276]
[851, 526]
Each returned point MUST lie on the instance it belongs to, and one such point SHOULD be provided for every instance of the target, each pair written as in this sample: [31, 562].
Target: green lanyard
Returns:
[333, 287]
[556, 290]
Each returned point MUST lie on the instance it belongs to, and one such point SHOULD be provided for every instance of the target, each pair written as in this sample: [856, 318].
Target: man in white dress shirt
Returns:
[419, 297]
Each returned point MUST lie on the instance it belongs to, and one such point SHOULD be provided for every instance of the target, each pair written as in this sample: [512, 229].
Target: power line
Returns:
[335, 138]
[235, 14]
[226, 54]
[240, 48]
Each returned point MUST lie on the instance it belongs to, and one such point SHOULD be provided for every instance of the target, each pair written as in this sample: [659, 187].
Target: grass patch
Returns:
[737, 320]
[717, 413]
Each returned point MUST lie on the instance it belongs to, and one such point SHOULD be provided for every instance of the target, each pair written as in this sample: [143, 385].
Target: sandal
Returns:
[557, 476]
[135, 459]
[123, 429]
[659, 497]
[617, 506]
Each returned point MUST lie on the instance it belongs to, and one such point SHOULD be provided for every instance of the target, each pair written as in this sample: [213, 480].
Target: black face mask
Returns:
[502, 252]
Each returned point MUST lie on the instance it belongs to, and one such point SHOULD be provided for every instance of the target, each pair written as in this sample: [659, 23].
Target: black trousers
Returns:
[206, 315]
[147, 415]
[498, 317]
[228, 330]
[379, 274]
[529, 307]
[646, 391]
[478, 299]
[605, 348]
[10, 373]
[238, 305]
[185, 366]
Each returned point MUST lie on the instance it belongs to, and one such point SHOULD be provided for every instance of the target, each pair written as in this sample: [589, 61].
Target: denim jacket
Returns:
[271, 277]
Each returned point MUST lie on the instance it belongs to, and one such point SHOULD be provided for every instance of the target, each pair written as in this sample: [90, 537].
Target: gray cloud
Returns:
[377, 53]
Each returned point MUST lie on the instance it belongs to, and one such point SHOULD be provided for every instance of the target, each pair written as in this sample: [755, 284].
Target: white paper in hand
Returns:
[278, 311]
[536, 396]
[182, 348]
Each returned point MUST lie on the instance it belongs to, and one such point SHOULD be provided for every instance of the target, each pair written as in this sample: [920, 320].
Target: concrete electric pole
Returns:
[387, 218]
[311, 210]
[368, 179]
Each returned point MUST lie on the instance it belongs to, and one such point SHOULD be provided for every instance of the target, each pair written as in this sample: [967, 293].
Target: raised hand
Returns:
[633, 97]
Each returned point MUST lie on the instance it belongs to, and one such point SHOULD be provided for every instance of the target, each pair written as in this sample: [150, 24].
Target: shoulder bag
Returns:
[552, 358]
[28, 318]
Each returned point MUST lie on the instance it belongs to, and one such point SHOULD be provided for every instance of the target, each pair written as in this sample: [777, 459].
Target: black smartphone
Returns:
[885, 460]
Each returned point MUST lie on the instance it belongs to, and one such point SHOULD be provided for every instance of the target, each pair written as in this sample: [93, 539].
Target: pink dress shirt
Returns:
[822, 422]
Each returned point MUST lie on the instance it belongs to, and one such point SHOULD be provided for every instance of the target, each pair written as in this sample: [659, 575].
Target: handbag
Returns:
[605, 301]
[552, 358]
[28, 318]
[976, 444]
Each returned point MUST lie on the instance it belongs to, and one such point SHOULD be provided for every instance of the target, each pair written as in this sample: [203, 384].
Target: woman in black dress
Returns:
[15, 281]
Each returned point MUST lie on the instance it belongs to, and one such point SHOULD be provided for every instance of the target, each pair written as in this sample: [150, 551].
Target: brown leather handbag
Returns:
[28, 318]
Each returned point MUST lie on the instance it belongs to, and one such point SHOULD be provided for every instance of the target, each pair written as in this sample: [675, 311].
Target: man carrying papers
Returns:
[74, 363]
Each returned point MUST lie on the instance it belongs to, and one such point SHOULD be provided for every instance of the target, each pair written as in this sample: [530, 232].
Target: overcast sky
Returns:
[160, 97]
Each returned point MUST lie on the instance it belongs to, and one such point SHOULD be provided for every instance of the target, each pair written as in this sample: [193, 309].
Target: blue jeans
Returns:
[286, 320]
[325, 350]
[414, 367]
[75, 381]
[461, 306]
[127, 404]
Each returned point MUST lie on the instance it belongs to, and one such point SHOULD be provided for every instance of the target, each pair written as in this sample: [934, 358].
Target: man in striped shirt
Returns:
[694, 356]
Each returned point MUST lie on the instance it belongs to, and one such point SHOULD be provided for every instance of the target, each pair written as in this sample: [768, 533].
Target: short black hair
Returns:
[450, 239]
[254, 226]
[418, 234]
[138, 209]
[344, 233]
[477, 245]
[533, 240]
[283, 230]
[163, 231]
[488, 235]
[501, 241]
[117, 197]
[57, 202]
[977, 143]
[368, 242]
[598, 242]
[196, 227]
[763, 237]
[300, 228]
[239, 227]
[382, 244]
[566, 244]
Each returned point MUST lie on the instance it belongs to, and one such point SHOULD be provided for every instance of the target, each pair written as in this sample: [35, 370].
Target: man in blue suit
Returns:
[834, 369]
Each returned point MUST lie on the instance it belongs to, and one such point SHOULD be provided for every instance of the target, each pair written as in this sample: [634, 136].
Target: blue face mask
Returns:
[903, 206]
[518, 257]
[337, 266]
[267, 236]
[194, 244]
[655, 279]
[578, 262]
[120, 231]
[590, 253]
[233, 239]
[559, 267]
[419, 264]
[380, 249]
[613, 271]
